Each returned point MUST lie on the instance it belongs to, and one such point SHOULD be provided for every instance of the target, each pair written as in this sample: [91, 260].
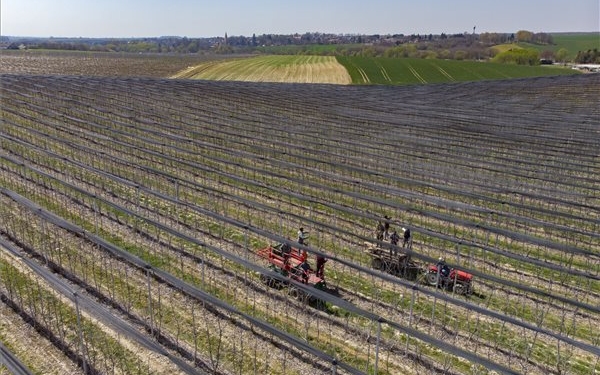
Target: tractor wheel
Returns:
[411, 273]
[459, 288]
[266, 279]
[432, 278]
[469, 290]
[377, 263]
[297, 294]
[317, 303]
[270, 282]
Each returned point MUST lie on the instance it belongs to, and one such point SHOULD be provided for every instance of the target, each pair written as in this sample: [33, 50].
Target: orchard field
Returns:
[104, 64]
[132, 210]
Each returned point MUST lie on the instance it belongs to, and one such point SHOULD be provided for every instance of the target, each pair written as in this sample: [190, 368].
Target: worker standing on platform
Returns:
[302, 236]
[407, 239]
[286, 249]
[386, 227]
[379, 231]
[394, 239]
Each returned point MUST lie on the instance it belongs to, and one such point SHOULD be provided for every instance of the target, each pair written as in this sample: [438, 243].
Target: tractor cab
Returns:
[450, 278]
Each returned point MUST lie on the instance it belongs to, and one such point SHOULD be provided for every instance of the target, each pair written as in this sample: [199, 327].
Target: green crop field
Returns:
[368, 70]
[572, 42]
[577, 41]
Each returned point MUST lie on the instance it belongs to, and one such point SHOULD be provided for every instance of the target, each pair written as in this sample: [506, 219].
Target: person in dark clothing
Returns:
[379, 231]
[304, 267]
[443, 268]
[321, 266]
[394, 238]
[286, 249]
[406, 237]
[386, 227]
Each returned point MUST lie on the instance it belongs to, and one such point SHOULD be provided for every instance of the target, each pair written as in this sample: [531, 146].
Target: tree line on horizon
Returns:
[462, 46]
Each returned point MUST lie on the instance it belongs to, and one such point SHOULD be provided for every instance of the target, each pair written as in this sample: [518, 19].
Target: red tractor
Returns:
[442, 276]
[293, 264]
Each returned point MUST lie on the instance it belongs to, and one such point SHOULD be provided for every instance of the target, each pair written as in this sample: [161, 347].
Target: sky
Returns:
[201, 18]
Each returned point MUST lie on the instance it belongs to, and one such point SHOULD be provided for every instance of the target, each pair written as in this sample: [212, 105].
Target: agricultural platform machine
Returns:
[397, 264]
[292, 264]
[400, 264]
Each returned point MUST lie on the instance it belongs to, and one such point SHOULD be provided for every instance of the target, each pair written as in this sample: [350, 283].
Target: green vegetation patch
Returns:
[572, 42]
[392, 71]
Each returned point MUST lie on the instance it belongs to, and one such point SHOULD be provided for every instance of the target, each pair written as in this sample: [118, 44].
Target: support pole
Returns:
[80, 333]
[96, 214]
[379, 321]
[148, 268]
[202, 270]
[176, 200]
[412, 303]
